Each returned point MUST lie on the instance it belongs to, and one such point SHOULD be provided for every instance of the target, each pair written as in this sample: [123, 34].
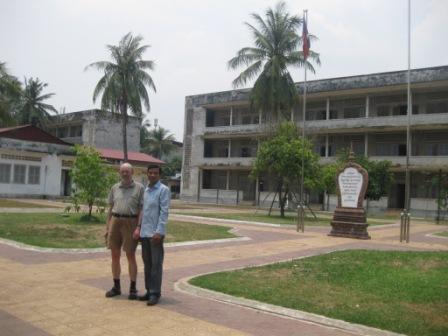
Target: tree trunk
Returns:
[124, 117]
[90, 209]
[281, 199]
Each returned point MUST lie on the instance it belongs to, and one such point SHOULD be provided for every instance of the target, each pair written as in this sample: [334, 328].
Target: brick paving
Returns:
[51, 293]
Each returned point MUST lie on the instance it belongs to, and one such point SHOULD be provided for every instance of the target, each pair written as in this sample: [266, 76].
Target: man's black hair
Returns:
[152, 166]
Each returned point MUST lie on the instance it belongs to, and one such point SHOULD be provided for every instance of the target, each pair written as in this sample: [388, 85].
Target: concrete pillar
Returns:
[366, 144]
[328, 109]
[231, 115]
[327, 149]
[229, 148]
[367, 106]
[198, 196]
[228, 180]
[292, 115]
[259, 117]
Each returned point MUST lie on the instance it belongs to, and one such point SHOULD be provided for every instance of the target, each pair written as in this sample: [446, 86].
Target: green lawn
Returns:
[74, 231]
[442, 234]
[405, 292]
[7, 203]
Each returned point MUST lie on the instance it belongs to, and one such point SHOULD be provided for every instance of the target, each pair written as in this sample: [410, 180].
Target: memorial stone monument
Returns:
[349, 219]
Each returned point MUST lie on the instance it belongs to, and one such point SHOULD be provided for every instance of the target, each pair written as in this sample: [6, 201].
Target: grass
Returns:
[442, 234]
[404, 292]
[78, 231]
[7, 203]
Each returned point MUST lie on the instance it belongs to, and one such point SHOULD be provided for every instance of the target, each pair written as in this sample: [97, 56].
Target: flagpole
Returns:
[301, 225]
[406, 217]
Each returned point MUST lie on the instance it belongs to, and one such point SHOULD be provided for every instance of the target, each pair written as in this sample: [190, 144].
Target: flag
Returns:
[305, 40]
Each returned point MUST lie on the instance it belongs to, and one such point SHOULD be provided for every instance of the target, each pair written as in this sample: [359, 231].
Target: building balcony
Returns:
[223, 162]
[234, 130]
[421, 121]
[426, 162]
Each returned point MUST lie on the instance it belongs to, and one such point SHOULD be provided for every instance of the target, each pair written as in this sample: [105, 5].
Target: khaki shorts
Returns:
[120, 234]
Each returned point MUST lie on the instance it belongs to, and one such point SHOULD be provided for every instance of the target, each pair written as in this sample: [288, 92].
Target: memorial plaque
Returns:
[350, 184]
[349, 218]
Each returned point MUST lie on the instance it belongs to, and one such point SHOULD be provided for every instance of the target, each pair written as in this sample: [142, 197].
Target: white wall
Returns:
[50, 178]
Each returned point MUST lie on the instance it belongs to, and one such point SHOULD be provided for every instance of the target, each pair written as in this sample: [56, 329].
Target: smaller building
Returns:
[35, 163]
[96, 128]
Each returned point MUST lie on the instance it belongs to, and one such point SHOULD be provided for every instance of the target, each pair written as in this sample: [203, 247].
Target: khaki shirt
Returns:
[126, 200]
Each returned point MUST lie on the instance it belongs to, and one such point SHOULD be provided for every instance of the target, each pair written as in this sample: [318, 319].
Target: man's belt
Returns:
[124, 216]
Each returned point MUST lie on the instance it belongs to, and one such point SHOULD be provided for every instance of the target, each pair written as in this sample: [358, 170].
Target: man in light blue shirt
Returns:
[151, 231]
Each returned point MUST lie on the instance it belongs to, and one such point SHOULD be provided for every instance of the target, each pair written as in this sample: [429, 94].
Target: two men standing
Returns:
[138, 213]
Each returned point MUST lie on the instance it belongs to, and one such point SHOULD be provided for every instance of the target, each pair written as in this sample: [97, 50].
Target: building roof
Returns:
[115, 154]
[367, 81]
[30, 133]
[77, 116]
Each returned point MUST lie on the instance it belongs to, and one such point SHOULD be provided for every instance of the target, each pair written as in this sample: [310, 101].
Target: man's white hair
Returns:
[126, 165]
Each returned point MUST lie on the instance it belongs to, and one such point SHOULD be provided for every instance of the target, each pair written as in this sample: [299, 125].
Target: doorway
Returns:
[66, 183]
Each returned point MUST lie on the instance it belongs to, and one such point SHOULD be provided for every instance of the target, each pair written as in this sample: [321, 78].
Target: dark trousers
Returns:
[152, 255]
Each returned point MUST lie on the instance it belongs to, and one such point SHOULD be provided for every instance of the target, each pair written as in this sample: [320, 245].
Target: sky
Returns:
[191, 42]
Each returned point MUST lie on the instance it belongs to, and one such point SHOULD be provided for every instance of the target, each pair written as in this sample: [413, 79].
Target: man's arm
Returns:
[136, 233]
[110, 200]
[165, 197]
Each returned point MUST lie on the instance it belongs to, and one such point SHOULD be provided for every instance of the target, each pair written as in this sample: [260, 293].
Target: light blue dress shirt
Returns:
[156, 202]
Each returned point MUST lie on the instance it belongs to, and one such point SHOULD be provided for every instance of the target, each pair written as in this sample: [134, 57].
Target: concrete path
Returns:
[51, 293]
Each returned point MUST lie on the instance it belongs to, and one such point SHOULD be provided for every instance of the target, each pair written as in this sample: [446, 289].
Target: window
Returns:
[5, 173]
[62, 132]
[19, 174]
[382, 111]
[437, 107]
[333, 114]
[76, 131]
[33, 175]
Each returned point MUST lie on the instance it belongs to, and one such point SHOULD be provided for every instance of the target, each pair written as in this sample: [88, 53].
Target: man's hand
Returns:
[136, 233]
[156, 238]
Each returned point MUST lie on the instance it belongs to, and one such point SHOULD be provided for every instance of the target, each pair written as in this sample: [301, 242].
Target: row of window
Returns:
[19, 174]
[67, 131]
[386, 106]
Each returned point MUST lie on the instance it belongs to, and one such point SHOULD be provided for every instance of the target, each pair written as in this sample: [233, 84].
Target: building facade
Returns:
[367, 112]
[96, 128]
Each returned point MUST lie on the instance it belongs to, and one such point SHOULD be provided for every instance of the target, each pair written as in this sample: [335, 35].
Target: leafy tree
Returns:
[281, 156]
[123, 85]
[277, 47]
[92, 178]
[159, 142]
[33, 109]
[173, 166]
[440, 181]
[329, 180]
[10, 93]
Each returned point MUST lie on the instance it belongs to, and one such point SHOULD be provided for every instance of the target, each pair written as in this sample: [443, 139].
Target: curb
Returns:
[32, 248]
[183, 286]
[230, 221]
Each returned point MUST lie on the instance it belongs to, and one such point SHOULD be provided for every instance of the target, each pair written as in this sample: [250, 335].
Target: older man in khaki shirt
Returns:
[126, 201]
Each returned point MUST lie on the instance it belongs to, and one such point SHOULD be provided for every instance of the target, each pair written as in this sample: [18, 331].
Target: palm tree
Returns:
[124, 82]
[277, 47]
[159, 142]
[33, 110]
[10, 93]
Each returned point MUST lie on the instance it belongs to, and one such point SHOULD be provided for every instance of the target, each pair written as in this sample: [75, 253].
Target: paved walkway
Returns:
[50, 293]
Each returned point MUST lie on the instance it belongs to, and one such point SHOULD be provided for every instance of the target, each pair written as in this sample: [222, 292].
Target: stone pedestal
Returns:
[349, 223]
